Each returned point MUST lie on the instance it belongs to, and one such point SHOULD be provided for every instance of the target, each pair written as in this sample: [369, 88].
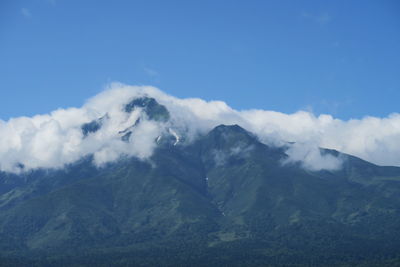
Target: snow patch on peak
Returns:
[177, 138]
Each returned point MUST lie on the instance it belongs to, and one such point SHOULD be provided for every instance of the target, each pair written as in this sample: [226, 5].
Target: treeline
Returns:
[178, 253]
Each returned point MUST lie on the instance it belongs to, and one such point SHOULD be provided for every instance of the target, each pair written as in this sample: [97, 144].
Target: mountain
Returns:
[223, 199]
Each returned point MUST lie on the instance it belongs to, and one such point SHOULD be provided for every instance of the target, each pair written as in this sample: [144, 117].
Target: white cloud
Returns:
[311, 158]
[55, 139]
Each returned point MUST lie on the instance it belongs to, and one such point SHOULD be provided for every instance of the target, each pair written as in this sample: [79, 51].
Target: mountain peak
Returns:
[229, 128]
[93, 126]
[230, 135]
[230, 131]
[150, 106]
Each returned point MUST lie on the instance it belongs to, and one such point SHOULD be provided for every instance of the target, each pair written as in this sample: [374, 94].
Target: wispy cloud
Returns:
[151, 72]
[26, 13]
[321, 18]
[52, 2]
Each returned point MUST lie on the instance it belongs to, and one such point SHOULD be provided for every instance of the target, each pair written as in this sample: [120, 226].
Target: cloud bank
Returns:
[55, 139]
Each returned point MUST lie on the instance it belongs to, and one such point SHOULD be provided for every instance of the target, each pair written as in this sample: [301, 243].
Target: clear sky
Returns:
[335, 57]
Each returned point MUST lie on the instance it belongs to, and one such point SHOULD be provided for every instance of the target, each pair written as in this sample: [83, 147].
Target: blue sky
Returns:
[335, 57]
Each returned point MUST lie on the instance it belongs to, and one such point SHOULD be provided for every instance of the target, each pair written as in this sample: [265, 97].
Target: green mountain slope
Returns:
[225, 199]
